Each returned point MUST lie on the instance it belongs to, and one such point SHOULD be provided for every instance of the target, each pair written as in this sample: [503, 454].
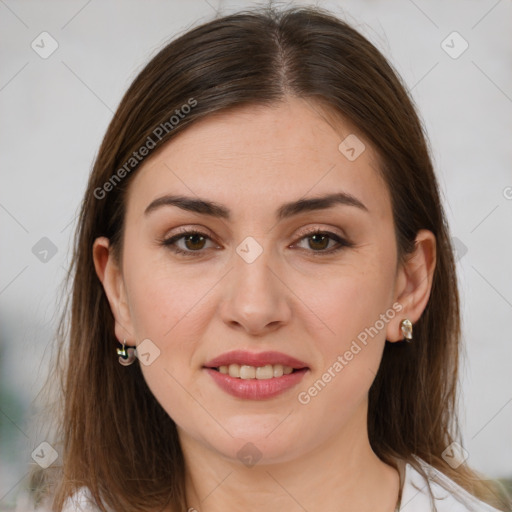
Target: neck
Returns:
[343, 473]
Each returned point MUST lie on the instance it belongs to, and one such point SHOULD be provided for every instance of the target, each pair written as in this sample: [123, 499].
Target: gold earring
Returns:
[406, 328]
[126, 355]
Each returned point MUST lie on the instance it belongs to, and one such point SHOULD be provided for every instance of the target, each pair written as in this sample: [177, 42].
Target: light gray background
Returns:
[54, 112]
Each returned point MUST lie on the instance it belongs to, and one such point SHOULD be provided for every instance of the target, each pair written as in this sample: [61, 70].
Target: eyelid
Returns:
[341, 242]
[205, 231]
[187, 230]
[316, 229]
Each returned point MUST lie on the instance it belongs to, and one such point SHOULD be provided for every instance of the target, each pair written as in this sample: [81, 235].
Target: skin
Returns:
[314, 456]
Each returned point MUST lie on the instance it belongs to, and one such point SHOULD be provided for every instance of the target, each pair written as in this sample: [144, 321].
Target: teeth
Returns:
[234, 370]
[247, 372]
[278, 370]
[244, 371]
[287, 370]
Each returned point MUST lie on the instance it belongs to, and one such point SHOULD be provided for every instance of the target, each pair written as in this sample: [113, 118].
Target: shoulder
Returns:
[447, 495]
[80, 501]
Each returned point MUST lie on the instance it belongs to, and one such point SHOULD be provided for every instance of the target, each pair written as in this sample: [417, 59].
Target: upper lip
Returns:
[244, 357]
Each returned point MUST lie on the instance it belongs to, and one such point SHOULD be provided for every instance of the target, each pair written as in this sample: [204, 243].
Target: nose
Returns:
[256, 299]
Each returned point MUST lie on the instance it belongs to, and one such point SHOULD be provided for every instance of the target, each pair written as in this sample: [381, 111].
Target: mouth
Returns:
[255, 375]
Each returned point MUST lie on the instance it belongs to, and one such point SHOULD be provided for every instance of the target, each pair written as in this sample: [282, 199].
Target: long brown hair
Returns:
[114, 437]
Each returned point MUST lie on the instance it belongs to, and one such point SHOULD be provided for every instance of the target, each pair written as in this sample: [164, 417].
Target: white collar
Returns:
[447, 495]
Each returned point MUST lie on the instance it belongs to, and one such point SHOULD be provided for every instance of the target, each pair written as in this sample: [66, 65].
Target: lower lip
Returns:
[256, 389]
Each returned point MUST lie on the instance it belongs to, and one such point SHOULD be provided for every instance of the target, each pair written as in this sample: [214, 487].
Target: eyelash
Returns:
[343, 243]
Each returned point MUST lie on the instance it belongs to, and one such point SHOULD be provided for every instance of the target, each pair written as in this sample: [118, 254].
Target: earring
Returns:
[126, 355]
[406, 328]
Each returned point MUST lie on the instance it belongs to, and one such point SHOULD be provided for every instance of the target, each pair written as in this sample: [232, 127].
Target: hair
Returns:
[113, 435]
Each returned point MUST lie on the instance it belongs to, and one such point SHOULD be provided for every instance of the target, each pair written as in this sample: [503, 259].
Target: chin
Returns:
[255, 444]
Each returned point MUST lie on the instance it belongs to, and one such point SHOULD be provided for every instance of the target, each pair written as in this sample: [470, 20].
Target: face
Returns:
[258, 279]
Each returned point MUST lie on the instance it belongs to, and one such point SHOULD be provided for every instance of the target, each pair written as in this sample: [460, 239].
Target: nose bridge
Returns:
[256, 296]
[252, 272]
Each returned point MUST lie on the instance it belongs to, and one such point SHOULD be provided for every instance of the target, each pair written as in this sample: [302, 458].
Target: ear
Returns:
[413, 283]
[112, 280]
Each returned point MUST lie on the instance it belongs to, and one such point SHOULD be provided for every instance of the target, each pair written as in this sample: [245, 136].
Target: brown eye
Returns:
[193, 242]
[318, 243]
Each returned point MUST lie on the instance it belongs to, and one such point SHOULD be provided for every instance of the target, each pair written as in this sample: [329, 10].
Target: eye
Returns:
[318, 241]
[194, 241]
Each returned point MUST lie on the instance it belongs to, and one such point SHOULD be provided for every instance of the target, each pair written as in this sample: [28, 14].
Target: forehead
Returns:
[253, 156]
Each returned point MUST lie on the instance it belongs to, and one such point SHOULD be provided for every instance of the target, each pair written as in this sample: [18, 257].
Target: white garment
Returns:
[448, 496]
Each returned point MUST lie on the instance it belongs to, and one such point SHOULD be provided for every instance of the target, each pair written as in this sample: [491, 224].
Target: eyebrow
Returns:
[213, 209]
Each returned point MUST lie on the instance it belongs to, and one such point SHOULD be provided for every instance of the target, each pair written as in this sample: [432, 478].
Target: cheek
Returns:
[356, 307]
[354, 300]
[350, 357]
[160, 294]
[164, 306]
[170, 305]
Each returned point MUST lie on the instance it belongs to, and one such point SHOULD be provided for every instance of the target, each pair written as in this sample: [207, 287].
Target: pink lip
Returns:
[255, 359]
[255, 389]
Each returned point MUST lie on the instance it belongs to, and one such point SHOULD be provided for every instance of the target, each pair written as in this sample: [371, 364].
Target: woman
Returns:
[265, 310]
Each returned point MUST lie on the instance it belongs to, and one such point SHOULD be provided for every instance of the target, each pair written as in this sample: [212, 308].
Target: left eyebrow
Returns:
[286, 210]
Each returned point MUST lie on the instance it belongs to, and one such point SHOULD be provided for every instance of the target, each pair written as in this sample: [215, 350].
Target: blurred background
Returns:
[64, 67]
